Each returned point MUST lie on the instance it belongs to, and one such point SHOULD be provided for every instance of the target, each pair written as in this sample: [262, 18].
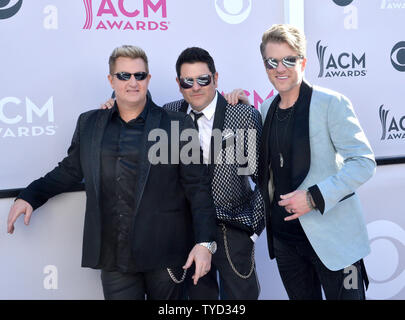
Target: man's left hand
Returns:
[202, 258]
[295, 203]
[237, 96]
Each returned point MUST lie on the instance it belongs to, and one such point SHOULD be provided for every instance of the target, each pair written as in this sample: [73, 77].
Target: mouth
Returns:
[281, 77]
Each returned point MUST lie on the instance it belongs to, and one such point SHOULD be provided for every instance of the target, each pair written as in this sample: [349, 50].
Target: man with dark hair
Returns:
[144, 221]
[240, 210]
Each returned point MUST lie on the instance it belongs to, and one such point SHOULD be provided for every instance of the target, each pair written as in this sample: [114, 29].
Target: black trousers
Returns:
[303, 275]
[153, 285]
[230, 286]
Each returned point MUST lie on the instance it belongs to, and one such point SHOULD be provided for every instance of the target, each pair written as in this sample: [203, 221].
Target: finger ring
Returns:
[292, 211]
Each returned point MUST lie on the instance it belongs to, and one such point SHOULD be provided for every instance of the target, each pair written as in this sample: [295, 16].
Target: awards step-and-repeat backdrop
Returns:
[357, 47]
[54, 63]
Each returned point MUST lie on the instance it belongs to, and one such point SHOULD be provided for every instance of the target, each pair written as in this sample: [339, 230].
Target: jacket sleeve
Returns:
[352, 146]
[67, 174]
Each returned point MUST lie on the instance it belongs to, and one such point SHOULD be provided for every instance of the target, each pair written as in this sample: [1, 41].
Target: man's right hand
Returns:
[108, 104]
[18, 208]
[237, 96]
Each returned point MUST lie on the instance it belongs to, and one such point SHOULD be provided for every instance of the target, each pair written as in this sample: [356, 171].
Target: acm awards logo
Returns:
[257, 98]
[393, 129]
[146, 15]
[26, 118]
[384, 264]
[393, 4]
[398, 56]
[8, 10]
[233, 11]
[343, 64]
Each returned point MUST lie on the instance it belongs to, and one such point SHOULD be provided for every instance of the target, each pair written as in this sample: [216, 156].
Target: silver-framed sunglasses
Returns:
[288, 62]
[188, 82]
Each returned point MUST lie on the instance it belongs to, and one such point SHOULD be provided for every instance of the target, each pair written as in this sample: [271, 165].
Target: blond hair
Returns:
[127, 51]
[285, 33]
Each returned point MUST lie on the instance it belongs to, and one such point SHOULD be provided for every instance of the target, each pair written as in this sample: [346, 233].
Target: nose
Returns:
[281, 67]
[196, 86]
[132, 81]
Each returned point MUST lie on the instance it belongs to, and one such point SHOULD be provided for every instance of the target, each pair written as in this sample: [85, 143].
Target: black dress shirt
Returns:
[119, 170]
[281, 134]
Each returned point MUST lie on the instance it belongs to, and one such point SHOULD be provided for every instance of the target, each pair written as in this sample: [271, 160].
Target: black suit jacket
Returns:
[174, 207]
[236, 203]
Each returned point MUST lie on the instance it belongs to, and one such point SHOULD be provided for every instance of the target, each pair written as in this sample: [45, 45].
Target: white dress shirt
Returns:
[205, 124]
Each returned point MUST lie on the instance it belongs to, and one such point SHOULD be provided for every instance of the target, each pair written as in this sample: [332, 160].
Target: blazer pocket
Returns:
[347, 197]
[228, 140]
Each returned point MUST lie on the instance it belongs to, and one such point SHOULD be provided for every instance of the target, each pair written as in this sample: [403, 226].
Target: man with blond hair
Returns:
[144, 220]
[314, 155]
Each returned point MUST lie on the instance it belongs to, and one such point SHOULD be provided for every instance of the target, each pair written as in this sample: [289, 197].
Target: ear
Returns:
[303, 64]
[110, 79]
[178, 83]
[216, 80]
[148, 77]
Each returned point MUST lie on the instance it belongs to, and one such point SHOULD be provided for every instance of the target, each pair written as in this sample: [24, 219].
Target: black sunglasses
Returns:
[288, 62]
[125, 76]
[187, 83]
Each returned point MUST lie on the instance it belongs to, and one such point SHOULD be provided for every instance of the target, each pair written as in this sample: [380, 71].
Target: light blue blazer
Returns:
[341, 160]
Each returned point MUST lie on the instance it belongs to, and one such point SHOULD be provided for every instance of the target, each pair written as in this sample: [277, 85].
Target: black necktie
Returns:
[196, 117]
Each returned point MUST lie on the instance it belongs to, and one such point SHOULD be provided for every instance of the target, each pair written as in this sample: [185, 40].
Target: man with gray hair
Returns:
[144, 221]
[230, 139]
[314, 155]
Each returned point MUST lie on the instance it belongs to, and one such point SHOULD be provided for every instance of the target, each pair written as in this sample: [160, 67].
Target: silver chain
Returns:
[230, 261]
[174, 277]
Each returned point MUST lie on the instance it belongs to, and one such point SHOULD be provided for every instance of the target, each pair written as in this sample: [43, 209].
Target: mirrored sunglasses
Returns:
[187, 83]
[288, 62]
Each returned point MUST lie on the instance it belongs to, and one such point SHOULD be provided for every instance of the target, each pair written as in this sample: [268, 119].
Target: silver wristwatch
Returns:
[211, 246]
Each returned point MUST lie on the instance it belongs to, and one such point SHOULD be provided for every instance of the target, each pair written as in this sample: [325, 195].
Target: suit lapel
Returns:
[300, 147]
[152, 122]
[264, 159]
[219, 118]
[96, 141]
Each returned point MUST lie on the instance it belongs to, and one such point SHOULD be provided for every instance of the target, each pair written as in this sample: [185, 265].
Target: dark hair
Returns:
[192, 55]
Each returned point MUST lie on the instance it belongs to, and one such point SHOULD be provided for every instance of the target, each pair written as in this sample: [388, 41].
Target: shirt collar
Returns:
[209, 110]
[115, 112]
